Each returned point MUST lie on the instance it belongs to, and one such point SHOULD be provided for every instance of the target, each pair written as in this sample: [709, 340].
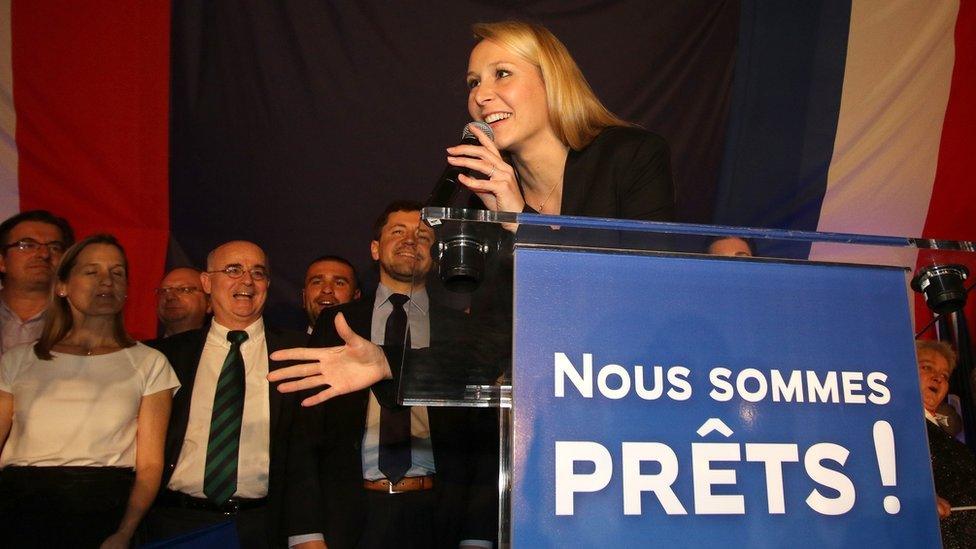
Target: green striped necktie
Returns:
[220, 475]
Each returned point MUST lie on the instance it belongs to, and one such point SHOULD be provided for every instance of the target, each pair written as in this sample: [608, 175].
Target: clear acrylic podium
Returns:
[709, 329]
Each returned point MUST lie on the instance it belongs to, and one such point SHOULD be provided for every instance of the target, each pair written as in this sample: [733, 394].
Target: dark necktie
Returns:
[394, 450]
[220, 475]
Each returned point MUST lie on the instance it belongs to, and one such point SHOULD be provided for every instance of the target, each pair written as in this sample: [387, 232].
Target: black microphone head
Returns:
[467, 134]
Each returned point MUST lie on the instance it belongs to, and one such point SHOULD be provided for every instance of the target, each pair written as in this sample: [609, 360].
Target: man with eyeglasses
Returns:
[31, 244]
[181, 303]
[227, 439]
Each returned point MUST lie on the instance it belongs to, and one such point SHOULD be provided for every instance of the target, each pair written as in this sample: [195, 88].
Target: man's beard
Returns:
[406, 271]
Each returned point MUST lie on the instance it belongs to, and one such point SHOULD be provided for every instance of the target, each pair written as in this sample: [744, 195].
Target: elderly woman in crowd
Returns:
[953, 465]
[83, 414]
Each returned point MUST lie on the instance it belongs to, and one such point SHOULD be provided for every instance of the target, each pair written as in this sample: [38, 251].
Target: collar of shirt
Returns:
[14, 332]
[418, 298]
[254, 452]
[938, 419]
[417, 316]
[218, 333]
[8, 314]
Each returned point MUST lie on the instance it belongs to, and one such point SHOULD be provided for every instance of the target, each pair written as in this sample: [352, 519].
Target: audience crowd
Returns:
[124, 443]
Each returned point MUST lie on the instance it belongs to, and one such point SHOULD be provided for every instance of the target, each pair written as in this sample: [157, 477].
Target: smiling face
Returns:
[507, 93]
[97, 283]
[31, 270]
[933, 376]
[328, 283]
[236, 302]
[403, 250]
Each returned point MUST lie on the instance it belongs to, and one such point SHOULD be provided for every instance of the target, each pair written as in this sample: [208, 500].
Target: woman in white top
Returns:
[83, 414]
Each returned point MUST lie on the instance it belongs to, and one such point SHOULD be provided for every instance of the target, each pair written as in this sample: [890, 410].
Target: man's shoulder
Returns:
[181, 350]
[358, 314]
[179, 342]
[362, 305]
[283, 338]
[443, 312]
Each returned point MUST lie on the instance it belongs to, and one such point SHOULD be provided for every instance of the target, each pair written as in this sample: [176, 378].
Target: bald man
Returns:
[731, 246]
[227, 440]
[181, 303]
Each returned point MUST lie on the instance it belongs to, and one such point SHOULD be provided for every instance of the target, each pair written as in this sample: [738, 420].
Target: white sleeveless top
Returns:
[79, 410]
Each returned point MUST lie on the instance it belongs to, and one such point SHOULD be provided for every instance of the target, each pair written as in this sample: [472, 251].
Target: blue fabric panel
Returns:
[785, 104]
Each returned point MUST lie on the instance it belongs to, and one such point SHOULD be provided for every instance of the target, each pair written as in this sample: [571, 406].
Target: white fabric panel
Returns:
[898, 72]
[9, 191]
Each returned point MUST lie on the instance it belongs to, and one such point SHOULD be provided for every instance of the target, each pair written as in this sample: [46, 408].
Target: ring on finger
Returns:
[492, 171]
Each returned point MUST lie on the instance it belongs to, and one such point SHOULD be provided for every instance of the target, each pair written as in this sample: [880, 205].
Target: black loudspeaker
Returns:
[942, 286]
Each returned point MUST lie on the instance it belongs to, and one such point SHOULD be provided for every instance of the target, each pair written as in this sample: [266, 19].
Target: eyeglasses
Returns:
[31, 245]
[186, 290]
[237, 271]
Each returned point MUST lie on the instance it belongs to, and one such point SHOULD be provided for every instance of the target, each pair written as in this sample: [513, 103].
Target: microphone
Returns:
[447, 184]
[460, 250]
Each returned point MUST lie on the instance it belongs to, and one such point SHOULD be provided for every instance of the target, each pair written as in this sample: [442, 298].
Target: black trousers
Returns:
[62, 506]
[164, 522]
[404, 520]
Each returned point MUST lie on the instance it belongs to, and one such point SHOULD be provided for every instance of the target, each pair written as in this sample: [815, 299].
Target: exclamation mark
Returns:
[884, 447]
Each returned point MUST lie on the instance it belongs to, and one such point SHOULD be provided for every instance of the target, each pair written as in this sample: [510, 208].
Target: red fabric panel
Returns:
[952, 210]
[91, 90]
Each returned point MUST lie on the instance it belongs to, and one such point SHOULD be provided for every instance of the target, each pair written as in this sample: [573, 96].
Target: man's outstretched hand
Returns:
[356, 365]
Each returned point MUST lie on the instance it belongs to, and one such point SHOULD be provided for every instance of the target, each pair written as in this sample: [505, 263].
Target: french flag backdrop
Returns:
[177, 126]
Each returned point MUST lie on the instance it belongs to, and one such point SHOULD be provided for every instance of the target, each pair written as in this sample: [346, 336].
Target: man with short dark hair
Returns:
[386, 476]
[330, 280]
[227, 442]
[181, 303]
[31, 244]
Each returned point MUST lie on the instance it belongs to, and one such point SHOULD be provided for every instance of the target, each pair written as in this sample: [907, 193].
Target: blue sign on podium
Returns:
[689, 401]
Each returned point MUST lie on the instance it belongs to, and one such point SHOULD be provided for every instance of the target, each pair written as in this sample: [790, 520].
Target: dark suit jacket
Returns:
[624, 173]
[183, 352]
[954, 472]
[465, 444]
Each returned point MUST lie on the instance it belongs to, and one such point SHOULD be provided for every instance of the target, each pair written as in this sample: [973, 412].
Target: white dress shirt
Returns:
[254, 454]
[421, 452]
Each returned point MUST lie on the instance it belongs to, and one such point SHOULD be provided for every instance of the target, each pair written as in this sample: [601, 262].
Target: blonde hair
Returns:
[575, 113]
[940, 347]
[59, 320]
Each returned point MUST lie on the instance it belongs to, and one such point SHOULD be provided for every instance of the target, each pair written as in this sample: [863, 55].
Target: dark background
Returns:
[294, 123]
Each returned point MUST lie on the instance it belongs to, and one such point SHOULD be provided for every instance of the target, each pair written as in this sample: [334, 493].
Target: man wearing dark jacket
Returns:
[384, 475]
[227, 444]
